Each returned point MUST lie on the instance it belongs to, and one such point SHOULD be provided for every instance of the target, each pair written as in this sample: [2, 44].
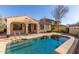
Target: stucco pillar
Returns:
[8, 28]
[26, 28]
[32, 27]
[38, 28]
[45, 29]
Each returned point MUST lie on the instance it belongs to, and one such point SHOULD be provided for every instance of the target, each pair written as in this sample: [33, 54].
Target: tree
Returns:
[77, 23]
[2, 23]
[59, 13]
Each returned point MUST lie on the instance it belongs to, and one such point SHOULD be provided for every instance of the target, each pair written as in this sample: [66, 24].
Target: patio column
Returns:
[45, 28]
[26, 28]
[38, 28]
[32, 28]
[22, 28]
[8, 28]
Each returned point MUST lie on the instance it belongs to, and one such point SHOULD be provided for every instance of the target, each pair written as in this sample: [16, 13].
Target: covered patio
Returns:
[21, 25]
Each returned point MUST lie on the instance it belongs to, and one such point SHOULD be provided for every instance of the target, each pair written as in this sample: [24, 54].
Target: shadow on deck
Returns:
[77, 49]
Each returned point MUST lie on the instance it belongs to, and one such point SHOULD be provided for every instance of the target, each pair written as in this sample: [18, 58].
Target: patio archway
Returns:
[32, 28]
[17, 28]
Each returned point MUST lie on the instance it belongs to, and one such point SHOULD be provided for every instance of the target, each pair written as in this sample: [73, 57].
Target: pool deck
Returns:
[62, 49]
[65, 48]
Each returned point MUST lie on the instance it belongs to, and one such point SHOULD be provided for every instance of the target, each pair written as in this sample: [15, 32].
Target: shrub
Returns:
[77, 33]
[64, 30]
[52, 27]
[2, 27]
[67, 30]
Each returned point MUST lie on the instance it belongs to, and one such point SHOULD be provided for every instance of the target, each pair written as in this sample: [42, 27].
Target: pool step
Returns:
[18, 45]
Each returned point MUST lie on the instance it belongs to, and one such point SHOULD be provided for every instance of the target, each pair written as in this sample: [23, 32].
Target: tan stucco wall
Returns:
[62, 28]
[46, 28]
[73, 29]
[23, 19]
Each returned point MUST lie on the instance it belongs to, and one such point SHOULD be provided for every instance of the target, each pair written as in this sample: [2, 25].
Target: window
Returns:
[41, 27]
[17, 26]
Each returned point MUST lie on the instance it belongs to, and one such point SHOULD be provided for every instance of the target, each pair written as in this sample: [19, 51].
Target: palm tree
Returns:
[59, 13]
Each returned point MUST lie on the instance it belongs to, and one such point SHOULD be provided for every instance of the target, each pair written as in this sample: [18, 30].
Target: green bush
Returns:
[65, 31]
[77, 33]
[62, 31]
[2, 27]
[52, 27]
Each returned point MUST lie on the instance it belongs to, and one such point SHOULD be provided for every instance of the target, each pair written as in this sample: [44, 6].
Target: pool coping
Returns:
[62, 49]
[67, 47]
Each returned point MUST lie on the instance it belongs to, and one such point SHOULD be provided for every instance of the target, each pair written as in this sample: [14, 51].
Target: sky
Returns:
[39, 11]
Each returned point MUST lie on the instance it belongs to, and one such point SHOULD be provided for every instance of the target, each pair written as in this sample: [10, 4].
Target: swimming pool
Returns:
[36, 46]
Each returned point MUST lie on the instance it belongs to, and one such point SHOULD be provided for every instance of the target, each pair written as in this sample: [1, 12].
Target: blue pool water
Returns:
[36, 46]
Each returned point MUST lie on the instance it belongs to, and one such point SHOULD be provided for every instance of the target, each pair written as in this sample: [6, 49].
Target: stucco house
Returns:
[28, 25]
[45, 24]
[74, 29]
[22, 25]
